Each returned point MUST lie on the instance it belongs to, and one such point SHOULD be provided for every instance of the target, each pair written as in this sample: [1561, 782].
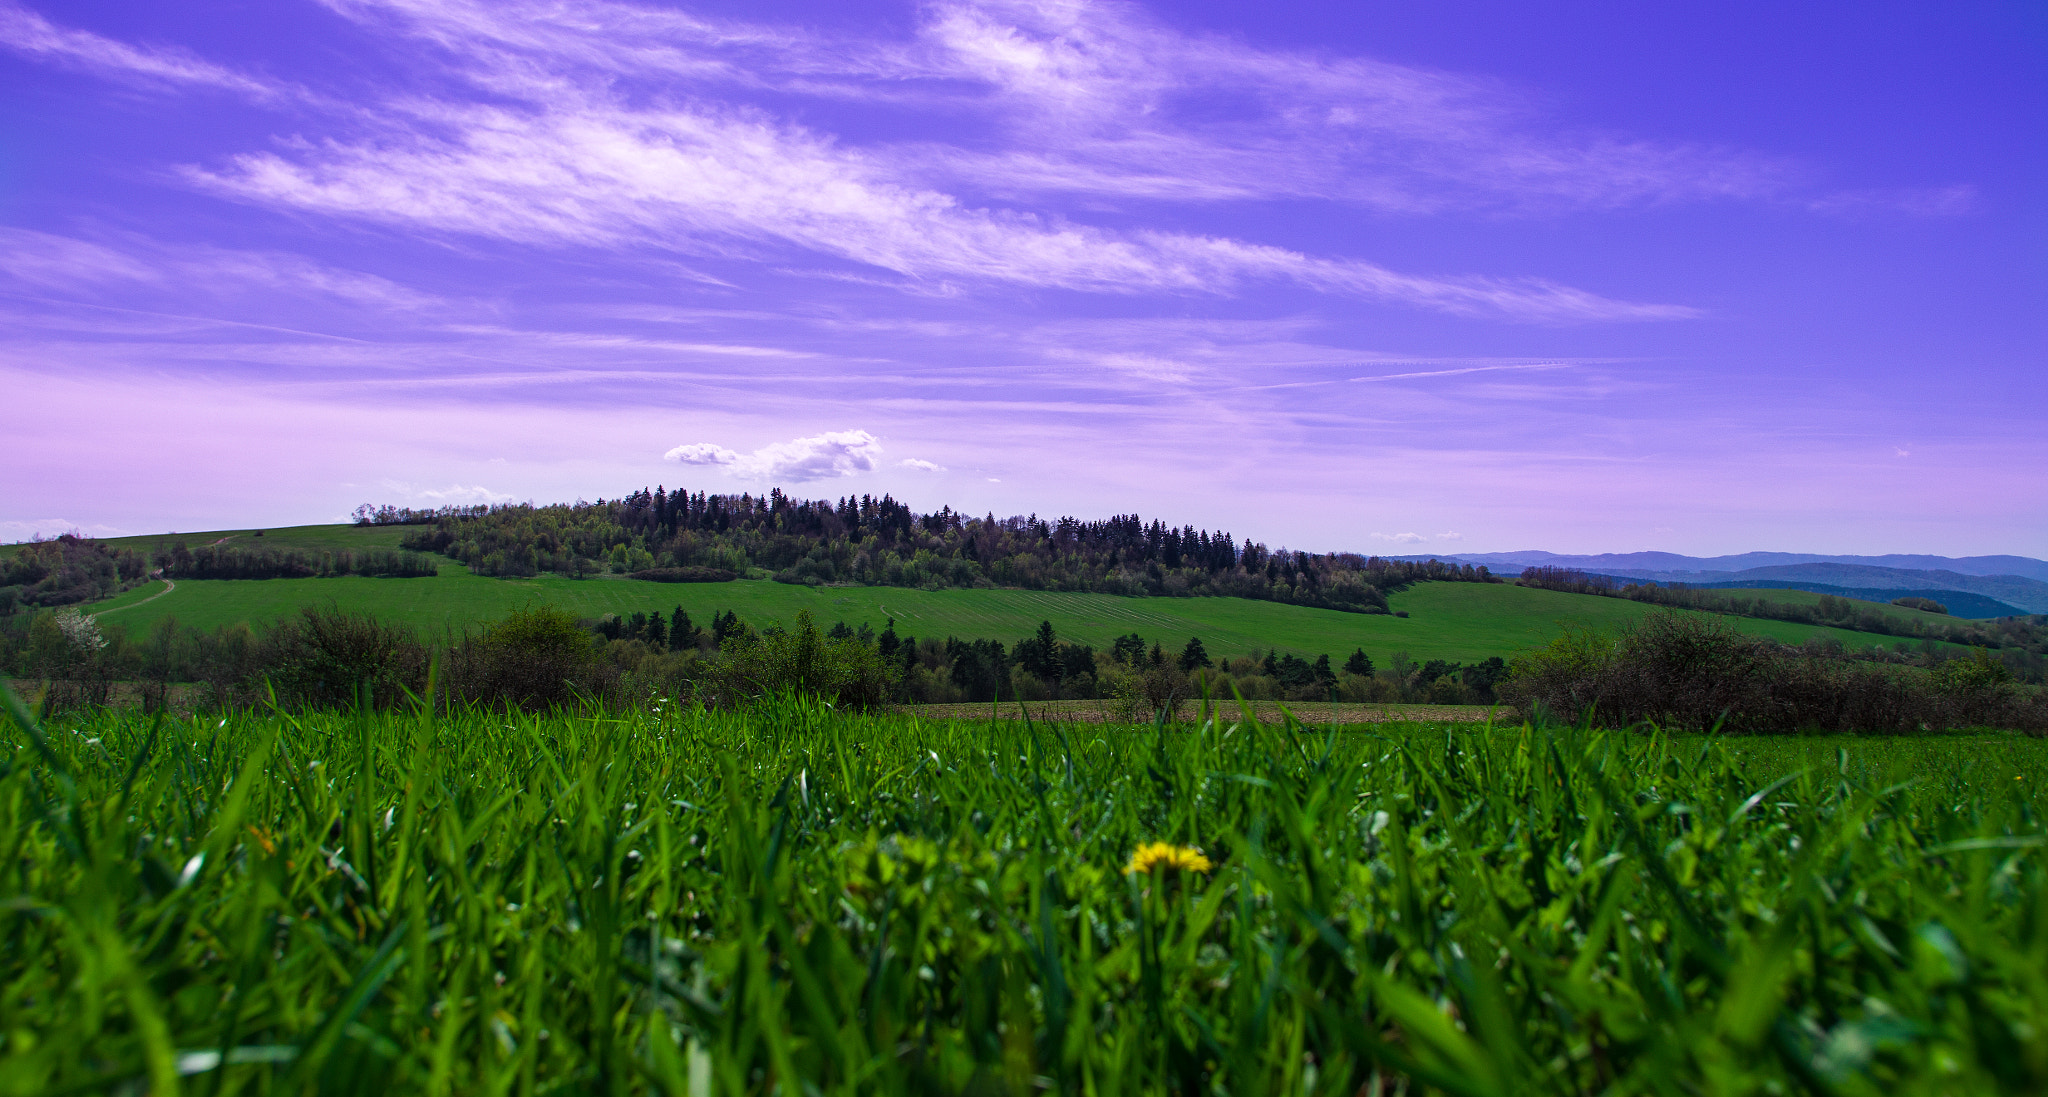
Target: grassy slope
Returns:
[1447, 620]
[1812, 598]
[313, 538]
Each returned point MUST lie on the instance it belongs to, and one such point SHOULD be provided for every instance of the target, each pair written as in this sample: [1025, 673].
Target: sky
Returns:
[1386, 277]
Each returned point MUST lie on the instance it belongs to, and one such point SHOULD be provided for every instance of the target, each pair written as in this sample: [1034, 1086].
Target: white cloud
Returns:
[1400, 538]
[1456, 371]
[584, 131]
[622, 126]
[29, 33]
[47, 262]
[1951, 201]
[27, 529]
[920, 465]
[1103, 99]
[603, 174]
[453, 494]
[1450, 535]
[822, 457]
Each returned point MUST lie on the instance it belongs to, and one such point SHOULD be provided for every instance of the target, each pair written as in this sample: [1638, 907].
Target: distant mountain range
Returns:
[2018, 582]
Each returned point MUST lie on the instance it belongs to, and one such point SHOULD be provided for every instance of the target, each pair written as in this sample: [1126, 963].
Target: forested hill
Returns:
[701, 536]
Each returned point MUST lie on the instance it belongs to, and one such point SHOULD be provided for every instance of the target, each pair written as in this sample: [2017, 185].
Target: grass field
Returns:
[1456, 621]
[1317, 714]
[792, 900]
[1446, 620]
[308, 538]
[1812, 598]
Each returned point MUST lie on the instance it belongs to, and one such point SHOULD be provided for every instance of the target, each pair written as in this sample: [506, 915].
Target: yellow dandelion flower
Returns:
[1178, 858]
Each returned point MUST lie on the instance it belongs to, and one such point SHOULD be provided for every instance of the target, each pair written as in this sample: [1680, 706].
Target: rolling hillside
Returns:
[1671, 563]
[1456, 621]
[2007, 583]
[1961, 604]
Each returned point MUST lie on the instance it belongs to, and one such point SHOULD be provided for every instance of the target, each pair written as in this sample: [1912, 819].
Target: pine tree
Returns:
[1193, 656]
[1360, 664]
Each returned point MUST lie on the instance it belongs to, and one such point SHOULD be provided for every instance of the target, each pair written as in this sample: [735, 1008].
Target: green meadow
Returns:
[1812, 598]
[786, 899]
[1453, 621]
[327, 538]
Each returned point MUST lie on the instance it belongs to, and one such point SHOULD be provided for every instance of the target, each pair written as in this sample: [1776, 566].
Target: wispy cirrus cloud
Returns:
[638, 129]
[1098, 97]
[620, 127]
[1103, 99]
[32, 260]
[698, 182]
[29, 33]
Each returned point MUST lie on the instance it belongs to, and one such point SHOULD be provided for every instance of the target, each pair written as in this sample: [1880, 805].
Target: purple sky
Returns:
[1459, 276]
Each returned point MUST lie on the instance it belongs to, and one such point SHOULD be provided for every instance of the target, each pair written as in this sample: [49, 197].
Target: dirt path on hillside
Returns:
[169, 586]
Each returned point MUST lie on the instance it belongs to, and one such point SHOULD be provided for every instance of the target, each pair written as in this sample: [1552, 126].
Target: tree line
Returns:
[1676, 669]
[65, 571]
[326, 657]
[250, 562]
[72, 570]
[880, 541]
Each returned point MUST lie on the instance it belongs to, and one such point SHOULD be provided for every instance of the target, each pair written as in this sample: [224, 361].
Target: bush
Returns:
[533, 659]
[685, 575]
[1694, 672]
[332, 658]
[228, 665]
[801, 661]
[1928, 604]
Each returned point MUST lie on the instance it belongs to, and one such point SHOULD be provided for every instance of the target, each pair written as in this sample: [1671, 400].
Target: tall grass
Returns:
[791, 900]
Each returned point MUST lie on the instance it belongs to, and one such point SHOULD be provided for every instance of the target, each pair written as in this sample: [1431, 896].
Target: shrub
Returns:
[333, 658]
[685, 575]
[1689, 671]
[799, 660]
[533, 659]
[1928, 604]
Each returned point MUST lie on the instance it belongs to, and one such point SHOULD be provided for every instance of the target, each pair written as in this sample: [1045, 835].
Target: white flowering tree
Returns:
[82, 632]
